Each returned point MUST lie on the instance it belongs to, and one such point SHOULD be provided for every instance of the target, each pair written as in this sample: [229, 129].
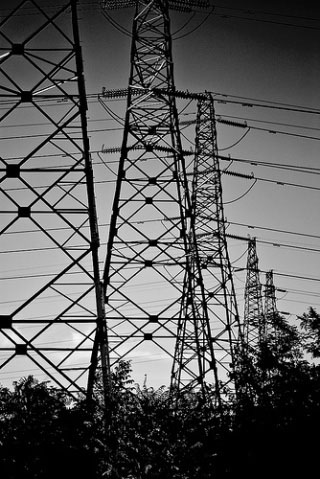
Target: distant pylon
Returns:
[275, 324]
[271, 313]
[219, 326]
[254, 324]
[52, 320]
[150, 252]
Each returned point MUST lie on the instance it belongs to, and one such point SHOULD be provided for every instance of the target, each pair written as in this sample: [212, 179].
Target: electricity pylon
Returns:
[152, 257]
[218, 325]
[253, 330]
[254, 324]
[271, 313]
[52, 311]
[274, 322]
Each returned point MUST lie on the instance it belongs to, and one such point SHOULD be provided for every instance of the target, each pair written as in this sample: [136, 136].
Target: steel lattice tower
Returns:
[53, 323]
[254, 324]
[270, 302]
[219, 328]
[151, 252]
[271, 313]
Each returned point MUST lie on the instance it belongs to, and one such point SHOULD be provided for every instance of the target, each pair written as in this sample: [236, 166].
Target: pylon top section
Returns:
[180, 5]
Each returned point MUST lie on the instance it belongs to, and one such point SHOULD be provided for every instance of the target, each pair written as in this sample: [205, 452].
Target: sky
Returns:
[263, 65]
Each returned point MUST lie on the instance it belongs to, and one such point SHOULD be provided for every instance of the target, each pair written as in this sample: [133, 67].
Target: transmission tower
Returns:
[52, 320]
[270, 303]
[219, 328]
[152, 264]
[273, 320]
[254, 324]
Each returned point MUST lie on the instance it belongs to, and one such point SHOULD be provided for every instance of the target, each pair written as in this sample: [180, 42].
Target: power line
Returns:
[226, 172]
[246, 102]
[250, 101]
[290, 125]
[95, 6]
[270, 105]
[276, 244]
[275, 230]
[46, 134]
[263, 12]
[274, 132]
[260, 20]
[102, 225]
[43, 124]
[33, 125]
[219, 120]
[232, 236]
[269, 180]
[287, 275]
[290, 167]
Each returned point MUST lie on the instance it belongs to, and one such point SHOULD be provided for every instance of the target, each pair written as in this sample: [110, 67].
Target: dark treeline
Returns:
[269, 430]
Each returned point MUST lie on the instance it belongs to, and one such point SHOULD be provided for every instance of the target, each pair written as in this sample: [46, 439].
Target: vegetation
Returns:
[269, 429]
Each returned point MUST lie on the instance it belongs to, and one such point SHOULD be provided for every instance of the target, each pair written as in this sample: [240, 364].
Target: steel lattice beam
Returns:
[54, 324]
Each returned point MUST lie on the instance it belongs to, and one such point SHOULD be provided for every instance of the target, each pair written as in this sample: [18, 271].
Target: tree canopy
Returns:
[43, 435]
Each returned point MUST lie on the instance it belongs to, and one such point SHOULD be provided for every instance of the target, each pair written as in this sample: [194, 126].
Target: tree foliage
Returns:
[43, 436]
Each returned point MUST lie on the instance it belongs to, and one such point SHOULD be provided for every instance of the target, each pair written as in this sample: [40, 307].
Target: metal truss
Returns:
[52, 320]
[270, 304]
[180, 5]
[194, 366]
[274, 323]
[254, 322]
[149, 248]
[219, 328]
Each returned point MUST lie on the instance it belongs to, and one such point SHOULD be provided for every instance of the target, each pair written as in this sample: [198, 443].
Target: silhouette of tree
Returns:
[43, 436]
